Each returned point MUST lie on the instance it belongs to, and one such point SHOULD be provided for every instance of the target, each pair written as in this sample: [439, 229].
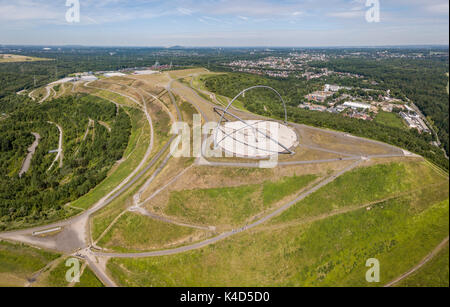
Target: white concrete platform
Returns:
[256, 139]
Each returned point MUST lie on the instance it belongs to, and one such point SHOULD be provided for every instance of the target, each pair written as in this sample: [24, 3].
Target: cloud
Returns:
[28, 10]
[101, 20]
[184, 11]
[348, 14]
[441, 8]
[211, 19]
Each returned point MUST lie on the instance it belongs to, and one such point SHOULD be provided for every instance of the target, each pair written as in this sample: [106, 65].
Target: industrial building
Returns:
[415, 122]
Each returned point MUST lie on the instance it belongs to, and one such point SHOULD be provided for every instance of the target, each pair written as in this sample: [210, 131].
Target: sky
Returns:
[225, 23]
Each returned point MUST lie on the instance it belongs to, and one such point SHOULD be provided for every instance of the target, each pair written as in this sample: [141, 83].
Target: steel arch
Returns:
[226, 111]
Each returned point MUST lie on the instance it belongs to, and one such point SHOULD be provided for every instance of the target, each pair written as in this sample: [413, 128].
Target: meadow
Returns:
[399, 223]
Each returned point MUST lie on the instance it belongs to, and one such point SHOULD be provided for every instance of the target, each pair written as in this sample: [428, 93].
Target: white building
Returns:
[113, 74]
[146, 72]
[415, 122]
[357, 105]
[65, 80]
[88, 78]
[335, 88]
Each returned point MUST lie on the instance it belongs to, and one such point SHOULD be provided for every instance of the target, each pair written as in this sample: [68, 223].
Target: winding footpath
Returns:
[48, 93]
[60, 156]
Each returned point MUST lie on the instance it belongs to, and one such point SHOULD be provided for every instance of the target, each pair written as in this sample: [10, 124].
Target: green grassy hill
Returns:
[396, 213]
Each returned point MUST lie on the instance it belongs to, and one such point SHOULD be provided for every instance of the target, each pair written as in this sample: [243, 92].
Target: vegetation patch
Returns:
[231, 206]
[365, 185]
[433, 274]
[328, 252]
[134, 232]
[14, 58]
[41, 193]
[390, 119]
[19, 262]
[89, 280]
[133, 155]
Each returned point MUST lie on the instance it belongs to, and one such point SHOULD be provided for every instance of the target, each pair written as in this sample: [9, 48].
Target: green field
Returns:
[134, 232]
[433, 274]
[14, 58]
[231, 206]
[56, 277]
[390, 119]
[89, 280]
[365, 185]
[122, 100]
[318, 246]
[19, 262]
[199, 84]
[103, 218]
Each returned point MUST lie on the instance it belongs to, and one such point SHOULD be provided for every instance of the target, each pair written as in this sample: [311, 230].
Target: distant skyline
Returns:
[225, 23]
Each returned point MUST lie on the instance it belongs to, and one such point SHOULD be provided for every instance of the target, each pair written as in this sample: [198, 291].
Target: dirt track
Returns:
[427, 259]
[31, 150]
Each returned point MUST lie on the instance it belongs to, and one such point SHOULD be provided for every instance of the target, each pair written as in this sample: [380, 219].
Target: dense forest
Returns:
[89, 151]
[266, 103]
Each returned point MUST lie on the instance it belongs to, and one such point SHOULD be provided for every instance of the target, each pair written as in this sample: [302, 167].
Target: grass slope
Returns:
[57, 277]
[18, 262]
[89, 280]
[390, 119]
[364, 185]
[434, 274]
[140, 233]
[231, 206]
[329, 250]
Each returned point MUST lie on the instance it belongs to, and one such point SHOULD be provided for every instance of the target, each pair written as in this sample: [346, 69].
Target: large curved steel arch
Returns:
[251, 88]
[226, 111]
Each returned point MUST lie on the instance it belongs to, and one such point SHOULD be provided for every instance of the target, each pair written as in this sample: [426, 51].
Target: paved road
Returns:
[258, 165]
[47, 88]
[170, 89]
[180, 117]
[100, 272]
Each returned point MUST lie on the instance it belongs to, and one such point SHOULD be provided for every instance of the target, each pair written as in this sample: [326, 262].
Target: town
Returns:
[349, 101]
[342, 100]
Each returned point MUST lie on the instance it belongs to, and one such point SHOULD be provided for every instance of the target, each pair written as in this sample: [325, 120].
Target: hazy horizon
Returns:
[418, 46]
